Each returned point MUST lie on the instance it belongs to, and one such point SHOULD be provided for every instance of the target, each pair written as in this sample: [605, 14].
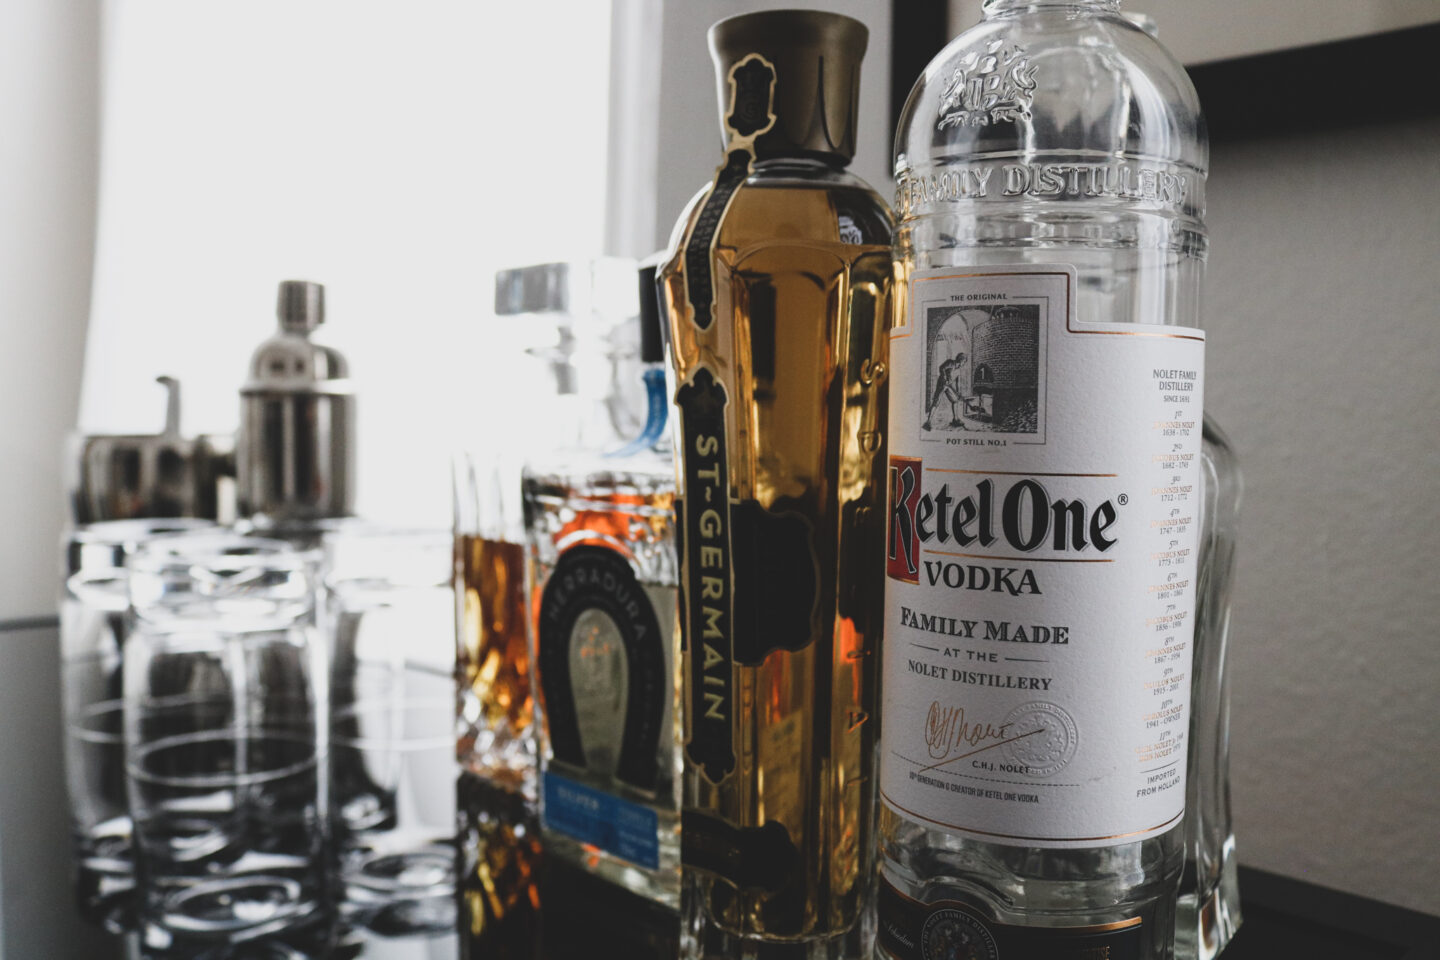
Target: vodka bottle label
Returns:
[1040, 560]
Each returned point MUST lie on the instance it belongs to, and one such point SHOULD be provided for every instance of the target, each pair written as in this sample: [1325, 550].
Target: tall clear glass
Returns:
[226, 739]
[93, 628]
[388, 619]
[1050, 166]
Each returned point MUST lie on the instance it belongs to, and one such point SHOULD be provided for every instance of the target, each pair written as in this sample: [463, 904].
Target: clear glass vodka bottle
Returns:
[1052, 136]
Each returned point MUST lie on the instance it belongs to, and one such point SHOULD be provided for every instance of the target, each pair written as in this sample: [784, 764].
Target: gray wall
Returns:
[1324, 366]
[1199, 31]
[49, 110]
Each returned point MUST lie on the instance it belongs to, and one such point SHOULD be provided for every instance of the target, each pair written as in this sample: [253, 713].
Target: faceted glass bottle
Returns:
[778, 294]
[1051, 136]
[603, 636]
[555, 307]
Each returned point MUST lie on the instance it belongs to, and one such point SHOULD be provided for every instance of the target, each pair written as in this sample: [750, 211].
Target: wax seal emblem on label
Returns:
[1045, 738]
[956, 935]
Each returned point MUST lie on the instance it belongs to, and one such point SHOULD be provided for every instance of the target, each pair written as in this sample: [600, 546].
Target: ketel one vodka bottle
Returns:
[1044, 491]
[604, 644]
[778, 293]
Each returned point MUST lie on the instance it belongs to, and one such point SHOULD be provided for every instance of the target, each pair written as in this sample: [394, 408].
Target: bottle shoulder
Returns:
[800, 203]
[777, 205]
[293, 361]
[651, 469]
[1046, 82]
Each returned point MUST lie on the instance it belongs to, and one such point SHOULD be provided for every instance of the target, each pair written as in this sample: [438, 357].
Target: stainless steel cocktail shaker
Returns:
[296, 450]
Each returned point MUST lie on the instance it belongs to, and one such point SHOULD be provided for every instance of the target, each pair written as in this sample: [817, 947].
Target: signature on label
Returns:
[950, 735]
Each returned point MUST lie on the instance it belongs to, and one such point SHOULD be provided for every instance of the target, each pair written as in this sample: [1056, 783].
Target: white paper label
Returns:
[1040, 561]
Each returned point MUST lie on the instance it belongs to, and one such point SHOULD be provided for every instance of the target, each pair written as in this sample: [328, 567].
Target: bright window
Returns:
[399, 153]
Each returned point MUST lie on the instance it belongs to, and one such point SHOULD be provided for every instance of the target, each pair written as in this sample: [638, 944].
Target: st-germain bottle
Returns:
[778, 293]
[1045, 491]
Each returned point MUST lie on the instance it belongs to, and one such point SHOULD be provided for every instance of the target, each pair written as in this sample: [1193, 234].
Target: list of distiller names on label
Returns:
[1173, 492]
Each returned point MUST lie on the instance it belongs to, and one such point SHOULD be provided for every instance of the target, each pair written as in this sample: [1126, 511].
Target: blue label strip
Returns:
[626, 829]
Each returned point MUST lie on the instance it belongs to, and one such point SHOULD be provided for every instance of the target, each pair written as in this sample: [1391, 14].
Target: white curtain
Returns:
[49, 112]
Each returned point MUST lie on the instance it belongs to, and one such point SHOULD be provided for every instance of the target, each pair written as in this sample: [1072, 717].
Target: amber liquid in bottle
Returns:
[492, 661]
[801, 270]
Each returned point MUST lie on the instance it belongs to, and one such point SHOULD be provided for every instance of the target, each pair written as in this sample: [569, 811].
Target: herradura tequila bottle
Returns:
[778, 294]
[1047, 492]
[604, 646]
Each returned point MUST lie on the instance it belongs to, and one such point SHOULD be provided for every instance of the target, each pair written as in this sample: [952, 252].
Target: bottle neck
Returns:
[578, 402]
[1002, 8]
[815, 162]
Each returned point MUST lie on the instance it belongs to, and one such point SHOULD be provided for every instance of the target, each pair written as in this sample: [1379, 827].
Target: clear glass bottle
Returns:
[603, 640]
[1208, 913]
[778, 295]
[563, 311]
[1052, 151]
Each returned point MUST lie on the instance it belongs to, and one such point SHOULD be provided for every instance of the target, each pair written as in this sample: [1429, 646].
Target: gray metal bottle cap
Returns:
[300, 305]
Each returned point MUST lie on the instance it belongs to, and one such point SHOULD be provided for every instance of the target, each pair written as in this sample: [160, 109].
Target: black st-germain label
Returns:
[777, 575]
[589, 578]
[752, 112]
[707, 564]
[947, 930]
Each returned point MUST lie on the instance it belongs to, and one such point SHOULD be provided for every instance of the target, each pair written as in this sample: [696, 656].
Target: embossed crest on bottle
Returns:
[988, 86]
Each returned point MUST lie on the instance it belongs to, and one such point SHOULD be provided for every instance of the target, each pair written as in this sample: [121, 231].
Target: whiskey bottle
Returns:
[604, 647]
[778, 295]
[1045, 491]
[492, 665]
